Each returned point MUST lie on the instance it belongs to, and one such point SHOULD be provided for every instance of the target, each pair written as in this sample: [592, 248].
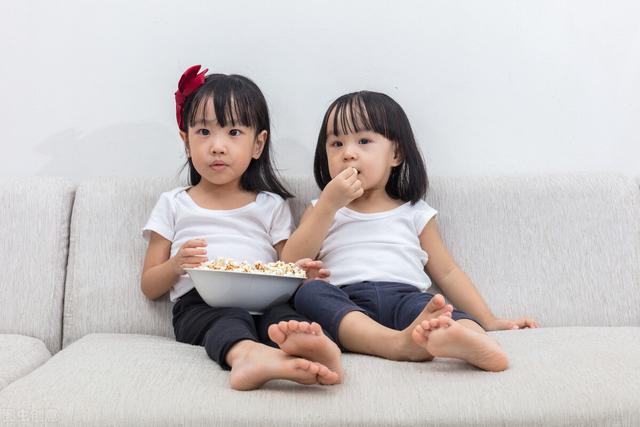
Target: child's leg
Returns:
[229, 337]
[463, 339]
[216, 329]
[341, 313]
[281, 326]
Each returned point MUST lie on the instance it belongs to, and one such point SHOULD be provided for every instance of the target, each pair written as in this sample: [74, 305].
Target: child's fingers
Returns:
[195, 243]
[190, 265]
[353, 178]
[194, 252]
[526, 322]
[348, 173]
[313, 264]
[303, 262]
[194, 260]
[323, 273]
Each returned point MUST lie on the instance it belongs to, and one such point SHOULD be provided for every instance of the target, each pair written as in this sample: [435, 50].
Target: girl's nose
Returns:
[218, 147]
[349, 153]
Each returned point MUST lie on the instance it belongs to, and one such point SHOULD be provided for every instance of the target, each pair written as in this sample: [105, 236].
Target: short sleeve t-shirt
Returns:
[381, 246]
[247, 233]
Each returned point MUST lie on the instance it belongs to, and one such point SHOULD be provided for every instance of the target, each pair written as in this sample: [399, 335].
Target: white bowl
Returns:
[252, 291]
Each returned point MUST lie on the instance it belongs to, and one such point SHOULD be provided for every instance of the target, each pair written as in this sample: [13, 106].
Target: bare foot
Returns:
[307, 340]
[407, 345]
[444, 337]
[253, 364]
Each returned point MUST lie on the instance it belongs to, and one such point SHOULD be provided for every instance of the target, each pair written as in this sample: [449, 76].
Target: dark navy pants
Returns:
[218, 329]
[394, 305]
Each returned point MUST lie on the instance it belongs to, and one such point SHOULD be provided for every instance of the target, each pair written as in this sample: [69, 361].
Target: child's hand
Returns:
[498, 324]
[192, 254]
[313, 269]
[342, 189]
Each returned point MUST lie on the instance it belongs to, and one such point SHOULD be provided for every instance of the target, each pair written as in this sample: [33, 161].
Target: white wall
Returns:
[490, 86]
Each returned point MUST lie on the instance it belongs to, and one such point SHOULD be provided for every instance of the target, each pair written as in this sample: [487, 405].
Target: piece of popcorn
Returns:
[278, 268]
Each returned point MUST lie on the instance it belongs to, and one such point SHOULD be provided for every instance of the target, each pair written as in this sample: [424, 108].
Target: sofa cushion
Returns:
[19, 355]
[558, 376]
[102, 291]
[562, 248]
[34, 233]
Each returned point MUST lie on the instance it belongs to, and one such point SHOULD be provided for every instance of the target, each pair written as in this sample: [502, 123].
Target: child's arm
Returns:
[457, 286]
[161, 271]
[306, 241]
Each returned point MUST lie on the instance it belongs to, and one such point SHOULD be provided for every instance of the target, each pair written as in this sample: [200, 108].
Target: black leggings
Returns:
[218, 329]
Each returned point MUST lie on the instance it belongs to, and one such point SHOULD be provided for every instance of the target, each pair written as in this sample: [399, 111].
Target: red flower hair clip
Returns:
[190, 81]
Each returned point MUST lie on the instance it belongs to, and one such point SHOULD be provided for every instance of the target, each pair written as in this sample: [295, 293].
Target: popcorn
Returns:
[278, 268]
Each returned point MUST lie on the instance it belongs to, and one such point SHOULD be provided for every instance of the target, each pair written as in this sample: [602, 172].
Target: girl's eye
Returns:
[235, 132]
[364, 141]
[203, 132]
[336, 144]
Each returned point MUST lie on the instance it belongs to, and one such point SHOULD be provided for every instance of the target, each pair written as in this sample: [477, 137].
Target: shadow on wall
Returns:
[126, 149]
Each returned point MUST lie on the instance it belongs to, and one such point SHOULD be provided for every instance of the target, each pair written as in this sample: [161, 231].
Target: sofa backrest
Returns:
[561, 248]
[34, 236]
[106, 251]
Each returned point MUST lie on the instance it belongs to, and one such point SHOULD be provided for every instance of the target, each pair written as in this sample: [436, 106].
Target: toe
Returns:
[436, 303]
[302, 364]
[418, 335]
[303, 326]
[283, 326]
[276, 334]
[293, 325]
[315, 328]
[328, 378]
[445, 321]
[314, 368]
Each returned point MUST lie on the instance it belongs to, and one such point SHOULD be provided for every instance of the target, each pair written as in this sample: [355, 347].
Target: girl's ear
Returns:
[185, 139]
[398, 158]
[261, 140]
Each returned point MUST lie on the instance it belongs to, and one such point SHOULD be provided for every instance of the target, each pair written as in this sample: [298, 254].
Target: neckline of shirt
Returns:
[373, 215]
[248, 206]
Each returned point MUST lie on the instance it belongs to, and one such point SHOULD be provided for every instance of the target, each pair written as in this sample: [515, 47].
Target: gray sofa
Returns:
[80, 345]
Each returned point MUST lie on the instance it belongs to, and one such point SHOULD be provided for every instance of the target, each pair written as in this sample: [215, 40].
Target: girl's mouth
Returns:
[217, 165]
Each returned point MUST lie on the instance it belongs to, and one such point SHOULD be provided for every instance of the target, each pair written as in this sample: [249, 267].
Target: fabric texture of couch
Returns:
[80, 344]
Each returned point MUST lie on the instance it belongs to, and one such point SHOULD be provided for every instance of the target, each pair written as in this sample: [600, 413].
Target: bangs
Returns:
[233, 104]
[357, 113]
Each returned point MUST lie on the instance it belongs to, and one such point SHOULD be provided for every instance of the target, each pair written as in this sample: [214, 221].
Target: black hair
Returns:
[236, 99]
[379, 113]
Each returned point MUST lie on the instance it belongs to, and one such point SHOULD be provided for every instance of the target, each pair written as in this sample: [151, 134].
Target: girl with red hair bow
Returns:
[234, 206]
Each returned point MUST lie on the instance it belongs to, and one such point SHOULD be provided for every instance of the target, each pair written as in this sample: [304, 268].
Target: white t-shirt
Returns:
[381, 246]
[247, 233]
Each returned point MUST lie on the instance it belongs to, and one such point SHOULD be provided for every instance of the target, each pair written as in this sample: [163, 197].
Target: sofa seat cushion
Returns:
[559, 376]
[19, 355]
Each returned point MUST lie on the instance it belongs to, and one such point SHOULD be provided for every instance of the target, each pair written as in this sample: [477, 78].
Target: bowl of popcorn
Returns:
[254, 287]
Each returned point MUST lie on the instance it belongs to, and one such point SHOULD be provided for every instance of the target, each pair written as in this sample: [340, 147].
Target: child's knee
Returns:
[307, 293]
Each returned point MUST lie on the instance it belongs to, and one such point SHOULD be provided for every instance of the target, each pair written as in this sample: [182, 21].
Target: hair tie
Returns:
[190, 81]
